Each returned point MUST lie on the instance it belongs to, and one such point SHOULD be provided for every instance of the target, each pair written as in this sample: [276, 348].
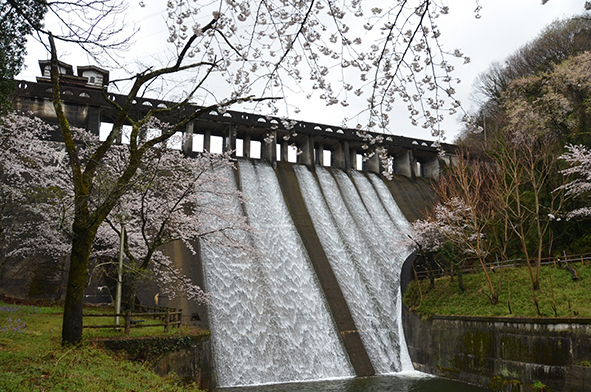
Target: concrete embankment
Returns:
[503, 353]
[189, 357]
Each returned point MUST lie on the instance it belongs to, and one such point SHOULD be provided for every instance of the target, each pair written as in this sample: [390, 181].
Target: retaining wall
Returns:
[188, 357]
[502, 353]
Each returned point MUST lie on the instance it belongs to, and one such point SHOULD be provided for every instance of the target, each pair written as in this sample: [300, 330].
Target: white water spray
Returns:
[358, 231]
[269, 319]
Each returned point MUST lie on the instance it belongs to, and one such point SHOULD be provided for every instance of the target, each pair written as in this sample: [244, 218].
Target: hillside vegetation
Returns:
[519, 188]
[33, 359]
[559, 295]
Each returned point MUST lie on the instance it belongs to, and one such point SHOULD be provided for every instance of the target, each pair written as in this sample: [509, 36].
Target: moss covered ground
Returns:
[559, 295]
[33, 359]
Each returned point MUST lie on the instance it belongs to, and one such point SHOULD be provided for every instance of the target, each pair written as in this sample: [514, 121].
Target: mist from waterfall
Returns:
[270, 322]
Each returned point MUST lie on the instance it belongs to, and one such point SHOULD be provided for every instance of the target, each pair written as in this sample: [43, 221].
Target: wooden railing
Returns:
[169, 316]
[556, 261]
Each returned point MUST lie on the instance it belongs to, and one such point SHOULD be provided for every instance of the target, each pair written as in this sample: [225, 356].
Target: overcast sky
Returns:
[503, 27]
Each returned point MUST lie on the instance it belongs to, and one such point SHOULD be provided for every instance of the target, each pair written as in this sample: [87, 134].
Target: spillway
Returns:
[359, 232]
[269, 317]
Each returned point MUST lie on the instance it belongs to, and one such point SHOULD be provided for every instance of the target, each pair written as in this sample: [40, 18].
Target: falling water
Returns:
[358, 224]
[269, 320]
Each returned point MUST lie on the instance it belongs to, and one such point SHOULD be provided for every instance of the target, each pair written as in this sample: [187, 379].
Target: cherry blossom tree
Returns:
[167, 200]
[579, 159]
[426, 238]
[459, 225]
[31, 205]
[170, 200]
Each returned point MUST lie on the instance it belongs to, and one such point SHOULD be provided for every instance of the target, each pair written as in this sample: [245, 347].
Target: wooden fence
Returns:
[169, 316]
[556, 261]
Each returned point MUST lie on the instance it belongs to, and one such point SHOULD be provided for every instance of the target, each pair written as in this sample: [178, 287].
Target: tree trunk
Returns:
[460, 276]
[77, 281]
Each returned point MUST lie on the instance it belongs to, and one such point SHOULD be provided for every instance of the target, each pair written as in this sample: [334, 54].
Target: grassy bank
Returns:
[32, 358]
[559, 294]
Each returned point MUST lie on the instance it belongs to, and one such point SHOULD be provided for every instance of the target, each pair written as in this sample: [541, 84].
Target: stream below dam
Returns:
[412, 382]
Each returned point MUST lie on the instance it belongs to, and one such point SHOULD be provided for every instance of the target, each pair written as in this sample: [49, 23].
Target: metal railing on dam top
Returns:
[87, 107]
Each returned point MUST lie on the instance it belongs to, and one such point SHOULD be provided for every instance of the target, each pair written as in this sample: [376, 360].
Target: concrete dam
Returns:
[322, 299]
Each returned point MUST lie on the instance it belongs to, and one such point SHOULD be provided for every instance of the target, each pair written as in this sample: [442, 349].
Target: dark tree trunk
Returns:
[77, 281]
[460, 276]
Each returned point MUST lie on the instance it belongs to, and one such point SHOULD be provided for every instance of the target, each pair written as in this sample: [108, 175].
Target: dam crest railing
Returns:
[249, 135]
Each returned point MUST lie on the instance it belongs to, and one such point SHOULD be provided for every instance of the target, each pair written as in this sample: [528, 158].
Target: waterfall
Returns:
[268, 316]
[358, 224]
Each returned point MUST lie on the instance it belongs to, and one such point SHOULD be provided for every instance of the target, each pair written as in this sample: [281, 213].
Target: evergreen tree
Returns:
[17, 21]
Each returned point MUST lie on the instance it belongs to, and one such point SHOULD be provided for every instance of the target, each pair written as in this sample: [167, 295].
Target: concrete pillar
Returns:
[338, 157]
[373, 164]
[246, 146]
[269, 152]
[403, 163]
[353, 158]
[346, 156]
[94, 119]
[319, 154]
[187, 146]
[207, 140]
[431, 167]
[230, 140]
[307, 148]
[284, 151]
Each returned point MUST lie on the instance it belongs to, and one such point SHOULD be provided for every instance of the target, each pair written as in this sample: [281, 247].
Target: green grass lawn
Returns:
[32, 358]
[559, 295]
